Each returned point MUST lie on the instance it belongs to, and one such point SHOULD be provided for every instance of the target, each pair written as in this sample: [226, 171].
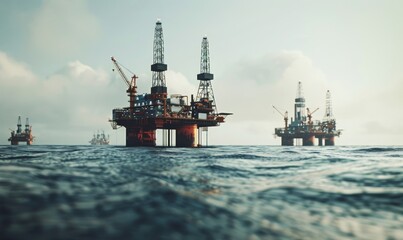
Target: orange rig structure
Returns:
[22, 136]
[302, 126]
[148, 112]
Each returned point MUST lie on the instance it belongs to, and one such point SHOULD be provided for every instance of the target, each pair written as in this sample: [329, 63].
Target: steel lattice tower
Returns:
[205, 91]
[329, 112]
[158, 67]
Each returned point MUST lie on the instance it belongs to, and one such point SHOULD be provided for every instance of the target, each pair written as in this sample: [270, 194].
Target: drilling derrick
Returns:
[205, 94]
[300, 128]
[22, 136]
[328, 113]
[328, 126]
[299, 106]
[158, 67]
[151, 111]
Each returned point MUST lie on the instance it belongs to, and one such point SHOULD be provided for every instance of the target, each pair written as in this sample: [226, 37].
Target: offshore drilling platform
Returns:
[302, 126]
[177, 118]
[22, 136]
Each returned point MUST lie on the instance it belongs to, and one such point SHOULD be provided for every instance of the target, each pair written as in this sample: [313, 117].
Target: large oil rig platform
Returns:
[302, 126]
[179, 120]
[22, 136]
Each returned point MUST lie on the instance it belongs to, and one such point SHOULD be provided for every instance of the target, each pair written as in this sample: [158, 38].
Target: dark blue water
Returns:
[223, 192]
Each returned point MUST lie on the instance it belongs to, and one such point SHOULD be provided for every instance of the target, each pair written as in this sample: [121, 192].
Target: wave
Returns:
[374, 201]
[378, 149]
[241, 156]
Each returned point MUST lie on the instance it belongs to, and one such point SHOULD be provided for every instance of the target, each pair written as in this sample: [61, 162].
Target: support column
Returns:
[287, 141]
[320, 141]
[308, 141]
[136, 137]
[186, 136]
[329, 141]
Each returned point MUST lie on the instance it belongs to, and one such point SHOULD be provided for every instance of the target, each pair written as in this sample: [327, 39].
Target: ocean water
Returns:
[221, 192]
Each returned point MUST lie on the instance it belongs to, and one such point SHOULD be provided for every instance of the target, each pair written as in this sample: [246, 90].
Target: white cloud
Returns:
[177, 83]
[62, 27]
[14, 73]
[269, 80]
[73, 102]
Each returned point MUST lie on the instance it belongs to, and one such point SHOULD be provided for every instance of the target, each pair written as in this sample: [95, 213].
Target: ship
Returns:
[21, 136]
[99, 139]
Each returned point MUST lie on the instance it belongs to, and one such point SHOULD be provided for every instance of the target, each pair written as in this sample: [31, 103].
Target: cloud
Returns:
[65, 108]
[177, 83]
[62, 27]
[14, 73]
[253, 86]
[371, 115]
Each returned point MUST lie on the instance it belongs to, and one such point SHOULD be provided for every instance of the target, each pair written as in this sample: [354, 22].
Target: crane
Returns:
[285, 115]
[131, 91]
[309, 113]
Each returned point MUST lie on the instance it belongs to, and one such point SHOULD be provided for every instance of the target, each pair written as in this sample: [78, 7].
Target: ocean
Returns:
[218, 192]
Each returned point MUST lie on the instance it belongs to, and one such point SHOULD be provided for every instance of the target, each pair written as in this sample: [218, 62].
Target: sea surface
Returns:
[220, 192]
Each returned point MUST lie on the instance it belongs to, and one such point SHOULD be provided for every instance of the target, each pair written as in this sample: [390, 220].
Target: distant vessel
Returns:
[100, 139]
[21, 136]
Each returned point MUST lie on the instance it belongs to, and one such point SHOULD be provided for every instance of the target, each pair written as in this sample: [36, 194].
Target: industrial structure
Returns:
[177, 118]
[100, 139]
[22, 136]
[302, 126]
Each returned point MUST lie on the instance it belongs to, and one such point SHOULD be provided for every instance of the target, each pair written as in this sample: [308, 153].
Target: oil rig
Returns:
[22, 136]
[179, 120]
[302, 126]
[100, 139]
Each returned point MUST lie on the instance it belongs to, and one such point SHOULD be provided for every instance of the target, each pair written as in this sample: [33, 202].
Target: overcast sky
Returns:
[55, 64]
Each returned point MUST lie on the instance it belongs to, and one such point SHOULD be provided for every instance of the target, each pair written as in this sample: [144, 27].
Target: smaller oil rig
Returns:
[302, 126]
[22, 136]
[182, 120]
[99, 139]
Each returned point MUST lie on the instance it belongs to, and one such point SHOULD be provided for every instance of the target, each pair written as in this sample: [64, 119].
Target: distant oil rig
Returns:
[302, 126]
[22, 136]
[99, 139]
[151, 111]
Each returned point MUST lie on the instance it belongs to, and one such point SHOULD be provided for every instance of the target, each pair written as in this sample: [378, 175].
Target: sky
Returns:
[55, 65]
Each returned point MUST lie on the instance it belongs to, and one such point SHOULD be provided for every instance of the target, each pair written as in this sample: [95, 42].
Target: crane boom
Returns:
[310, 113]
[284, 115]
[122, 74]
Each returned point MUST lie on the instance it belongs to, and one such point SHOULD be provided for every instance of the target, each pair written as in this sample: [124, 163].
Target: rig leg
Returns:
[329, 141]
[186, 136]
[320, 141]
[14, 142]
[136, 137]
[287, 141]
[308, 141]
